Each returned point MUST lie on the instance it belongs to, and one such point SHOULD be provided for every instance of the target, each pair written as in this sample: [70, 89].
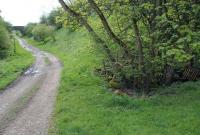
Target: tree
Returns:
[84, 22]
[41, 32]
[4, 40]
[52, 16]
[151, 42]
[108, 29]
[44, 19]
[29, 28]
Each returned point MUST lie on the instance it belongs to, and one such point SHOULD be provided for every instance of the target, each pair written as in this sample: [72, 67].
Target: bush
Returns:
[4, 40]
[41, 32]
[51, 18]
[29, 28]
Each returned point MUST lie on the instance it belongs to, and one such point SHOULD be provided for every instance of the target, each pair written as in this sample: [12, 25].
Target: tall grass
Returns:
[4, 40]
[85, 105]
[12, 66]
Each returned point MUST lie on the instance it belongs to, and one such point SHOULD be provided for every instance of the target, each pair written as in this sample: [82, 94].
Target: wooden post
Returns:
[14, 45]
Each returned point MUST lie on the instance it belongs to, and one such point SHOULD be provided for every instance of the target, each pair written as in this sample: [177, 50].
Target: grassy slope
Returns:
[85, 107]
[13, 66]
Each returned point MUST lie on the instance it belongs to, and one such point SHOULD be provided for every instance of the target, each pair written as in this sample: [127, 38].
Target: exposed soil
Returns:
[26, 106]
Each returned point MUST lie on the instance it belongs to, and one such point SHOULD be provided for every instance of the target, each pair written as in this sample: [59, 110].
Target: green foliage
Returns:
[43, 19]
[85, 107]
[29, 28]
[14, 65]
[41, 32]
[67, 21]
[18, 33]
[159, 35]
[145, 38]
[52, 17]
[8, 26]
[4, 40]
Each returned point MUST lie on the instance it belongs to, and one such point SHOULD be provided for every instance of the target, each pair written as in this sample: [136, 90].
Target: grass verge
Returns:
[85, 106]
[12, 67]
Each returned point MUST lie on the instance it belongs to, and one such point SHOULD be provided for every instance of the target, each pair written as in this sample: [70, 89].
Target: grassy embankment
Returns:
[14, 65]
[84, 105]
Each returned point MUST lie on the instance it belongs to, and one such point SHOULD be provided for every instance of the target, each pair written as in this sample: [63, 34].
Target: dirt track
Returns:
[26, 106]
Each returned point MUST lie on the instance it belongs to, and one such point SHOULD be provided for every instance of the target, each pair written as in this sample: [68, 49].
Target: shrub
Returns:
[29, 28]
[4, 40]
[41, 32]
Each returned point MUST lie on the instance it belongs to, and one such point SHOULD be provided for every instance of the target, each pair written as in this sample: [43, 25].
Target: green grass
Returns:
[85, 106]
[12, 67]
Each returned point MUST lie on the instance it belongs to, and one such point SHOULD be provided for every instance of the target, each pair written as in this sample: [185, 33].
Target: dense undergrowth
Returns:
[12, 66]
[147, 44]
[4, 39]
[85, 105]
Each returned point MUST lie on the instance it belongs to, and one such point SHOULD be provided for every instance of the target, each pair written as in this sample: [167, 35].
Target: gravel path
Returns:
[26, 106]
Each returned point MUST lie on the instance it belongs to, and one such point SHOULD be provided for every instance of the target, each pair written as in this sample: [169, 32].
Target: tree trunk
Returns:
[139, 46]
[144, 81]
[84, 22]
[108, 29]
[160, 3]
[168, 74]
